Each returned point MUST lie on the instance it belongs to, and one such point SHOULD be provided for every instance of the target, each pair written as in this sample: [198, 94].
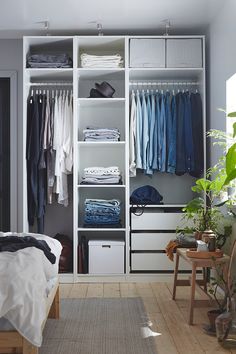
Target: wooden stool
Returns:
[196, 263]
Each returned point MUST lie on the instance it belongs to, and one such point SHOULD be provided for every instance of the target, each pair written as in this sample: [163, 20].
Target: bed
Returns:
[25, 309]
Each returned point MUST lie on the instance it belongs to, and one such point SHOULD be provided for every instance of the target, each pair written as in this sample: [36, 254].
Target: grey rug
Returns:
[99, 326]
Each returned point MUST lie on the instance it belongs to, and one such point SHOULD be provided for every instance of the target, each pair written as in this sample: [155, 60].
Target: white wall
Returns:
[11, 58]
[221, 60]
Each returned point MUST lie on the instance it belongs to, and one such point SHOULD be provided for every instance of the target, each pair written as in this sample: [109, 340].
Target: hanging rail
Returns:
[164, 83]
[50, 83]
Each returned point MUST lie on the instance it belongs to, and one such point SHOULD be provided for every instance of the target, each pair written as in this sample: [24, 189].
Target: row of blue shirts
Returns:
[166, 133]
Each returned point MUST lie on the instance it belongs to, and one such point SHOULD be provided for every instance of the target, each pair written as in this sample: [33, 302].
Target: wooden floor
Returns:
[168, 318]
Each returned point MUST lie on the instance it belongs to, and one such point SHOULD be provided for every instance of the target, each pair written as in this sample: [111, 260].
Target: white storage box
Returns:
[147, 53]
[106, 257]
[184, 53]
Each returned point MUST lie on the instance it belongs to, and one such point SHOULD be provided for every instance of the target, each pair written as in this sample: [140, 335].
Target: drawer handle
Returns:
[106, 246]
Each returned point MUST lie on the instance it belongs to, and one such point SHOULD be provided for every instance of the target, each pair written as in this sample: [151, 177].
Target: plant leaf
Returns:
[231, 115]
[234, 129]
[231, 164]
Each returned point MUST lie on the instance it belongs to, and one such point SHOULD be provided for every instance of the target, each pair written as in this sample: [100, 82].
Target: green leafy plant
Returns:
[203, 213]
[231, 155]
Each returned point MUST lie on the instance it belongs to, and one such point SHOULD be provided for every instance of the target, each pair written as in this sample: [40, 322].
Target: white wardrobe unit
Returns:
[177, 63]
[139, 251]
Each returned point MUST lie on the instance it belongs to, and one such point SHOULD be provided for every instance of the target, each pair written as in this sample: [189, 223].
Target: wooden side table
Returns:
[196, 263]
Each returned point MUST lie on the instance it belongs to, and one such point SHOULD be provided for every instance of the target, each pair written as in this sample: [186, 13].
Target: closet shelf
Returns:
[92, 229]
[101, 185]
[165, 73]
[100, 102]
[104, 73]
[162, 206]
[100, 143]
[53, 73]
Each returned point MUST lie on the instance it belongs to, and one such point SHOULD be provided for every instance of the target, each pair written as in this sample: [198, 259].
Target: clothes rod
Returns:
[50, 83]
[164, 83]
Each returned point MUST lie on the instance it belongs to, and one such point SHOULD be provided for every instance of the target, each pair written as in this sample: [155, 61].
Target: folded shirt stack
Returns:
[101, 61]
[49, 61]
[101, 134]
[102, 175]
[102, 213]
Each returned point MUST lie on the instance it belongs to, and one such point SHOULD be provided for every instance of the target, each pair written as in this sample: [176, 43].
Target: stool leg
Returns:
[175, 275]
[204, 272]
[193, 284]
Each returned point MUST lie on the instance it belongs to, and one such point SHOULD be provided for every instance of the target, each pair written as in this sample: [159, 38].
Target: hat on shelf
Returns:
[105, 89]
[95, 94]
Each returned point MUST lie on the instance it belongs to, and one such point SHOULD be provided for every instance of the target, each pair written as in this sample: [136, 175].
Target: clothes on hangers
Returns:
[166, 132]
[49, 151]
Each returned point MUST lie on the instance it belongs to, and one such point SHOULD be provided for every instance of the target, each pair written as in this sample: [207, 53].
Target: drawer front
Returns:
[150, 241]
[155, 262]
[156, 221]
[184, 53]
[147, 53]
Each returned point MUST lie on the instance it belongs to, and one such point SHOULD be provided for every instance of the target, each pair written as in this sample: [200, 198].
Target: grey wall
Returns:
[11, 58]
[221, 61]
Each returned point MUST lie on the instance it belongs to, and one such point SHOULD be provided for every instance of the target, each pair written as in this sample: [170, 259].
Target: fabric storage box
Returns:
[106, 257]
[184, 53]
[147, 53]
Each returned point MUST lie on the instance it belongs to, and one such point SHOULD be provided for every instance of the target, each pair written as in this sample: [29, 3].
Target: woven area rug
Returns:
[99, 326]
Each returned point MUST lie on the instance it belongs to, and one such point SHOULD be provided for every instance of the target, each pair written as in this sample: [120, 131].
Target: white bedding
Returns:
[23, 277]
[5, 325]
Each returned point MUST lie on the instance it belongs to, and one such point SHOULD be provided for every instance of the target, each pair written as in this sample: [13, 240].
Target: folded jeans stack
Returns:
[102, 175]
[49, 61]
[102, 213]
[101, 61]
[101, 134]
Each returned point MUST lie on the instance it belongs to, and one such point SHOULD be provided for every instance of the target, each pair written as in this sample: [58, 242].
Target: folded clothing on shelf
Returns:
[101, 61]
[102, 134]
[102, 175]
[49, 61]
[101, 212]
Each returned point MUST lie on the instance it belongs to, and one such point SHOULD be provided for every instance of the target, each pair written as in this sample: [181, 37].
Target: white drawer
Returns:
[150, 241]
[148, 52]
[156, 221]
[184, 53]
[155, 261]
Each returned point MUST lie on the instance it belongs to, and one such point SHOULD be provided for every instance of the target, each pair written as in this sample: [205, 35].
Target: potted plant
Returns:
[203, 212]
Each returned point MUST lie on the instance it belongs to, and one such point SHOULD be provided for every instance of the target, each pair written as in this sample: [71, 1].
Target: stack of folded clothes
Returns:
[49, 61]
[101, 134]
[102, 175]
[102, 213]
[101, 61]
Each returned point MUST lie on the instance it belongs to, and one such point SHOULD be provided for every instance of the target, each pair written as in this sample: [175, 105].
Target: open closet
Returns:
[157, 67]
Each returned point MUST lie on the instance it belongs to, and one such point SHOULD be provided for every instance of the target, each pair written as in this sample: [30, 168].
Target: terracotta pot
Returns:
[212, 315]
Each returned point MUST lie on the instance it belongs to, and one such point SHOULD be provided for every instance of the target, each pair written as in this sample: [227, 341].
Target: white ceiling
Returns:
[18, 17]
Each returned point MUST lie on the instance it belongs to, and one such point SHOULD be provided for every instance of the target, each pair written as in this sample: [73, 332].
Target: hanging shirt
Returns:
[162, 135]
[145, 135]
[139, 133]
[152, 133]
[171, 162]
[132, 137]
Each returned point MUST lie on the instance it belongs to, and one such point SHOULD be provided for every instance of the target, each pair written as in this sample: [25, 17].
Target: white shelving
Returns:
[102, 113]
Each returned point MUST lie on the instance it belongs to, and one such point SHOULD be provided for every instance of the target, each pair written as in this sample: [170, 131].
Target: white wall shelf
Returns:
[101, 186]
[100, 102]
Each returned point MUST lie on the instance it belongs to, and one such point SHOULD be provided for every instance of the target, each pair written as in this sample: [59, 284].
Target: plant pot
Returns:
[212, 315]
